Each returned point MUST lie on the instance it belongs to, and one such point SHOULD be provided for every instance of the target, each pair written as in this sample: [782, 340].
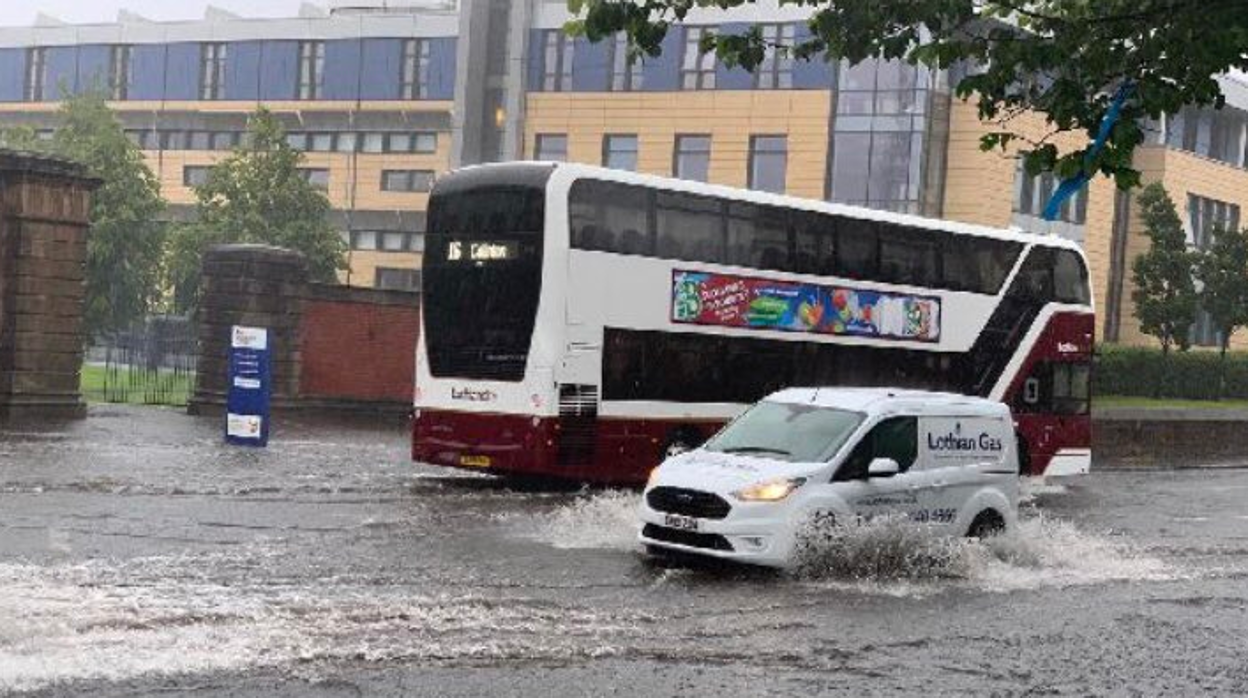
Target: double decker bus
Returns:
[583, 323]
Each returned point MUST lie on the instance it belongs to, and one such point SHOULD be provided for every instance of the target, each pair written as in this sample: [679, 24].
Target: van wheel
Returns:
[987, 524]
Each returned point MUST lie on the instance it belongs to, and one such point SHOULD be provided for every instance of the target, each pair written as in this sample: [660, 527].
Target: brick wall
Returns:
[358, 344]
[44, 219]
[336, 348]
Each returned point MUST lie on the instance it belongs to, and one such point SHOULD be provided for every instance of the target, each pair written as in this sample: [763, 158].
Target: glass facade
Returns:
[776, 70]
[1204, 217]
[884, 130]
[697, 70]
[1220, 134]
[557, 63]
[626, 75]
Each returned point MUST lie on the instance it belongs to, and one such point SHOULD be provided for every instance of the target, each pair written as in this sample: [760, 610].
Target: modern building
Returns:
[385, 96]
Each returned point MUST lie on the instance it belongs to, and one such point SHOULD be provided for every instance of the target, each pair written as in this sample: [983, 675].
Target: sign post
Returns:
[251, 387]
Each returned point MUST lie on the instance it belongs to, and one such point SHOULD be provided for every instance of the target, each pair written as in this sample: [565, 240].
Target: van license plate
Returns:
[475, 461]
[681, 523]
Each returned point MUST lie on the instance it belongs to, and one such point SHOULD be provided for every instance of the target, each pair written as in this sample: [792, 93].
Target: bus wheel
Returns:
[678, 442]
[987, 524]
[1024, 456]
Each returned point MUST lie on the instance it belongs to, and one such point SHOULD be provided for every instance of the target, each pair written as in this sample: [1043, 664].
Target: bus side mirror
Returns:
[883, 468]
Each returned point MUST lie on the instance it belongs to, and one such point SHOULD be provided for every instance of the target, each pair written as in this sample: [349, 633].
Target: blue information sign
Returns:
[251, 387]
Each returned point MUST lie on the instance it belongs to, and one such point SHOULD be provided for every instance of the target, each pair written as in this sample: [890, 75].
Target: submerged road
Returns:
[139, 556]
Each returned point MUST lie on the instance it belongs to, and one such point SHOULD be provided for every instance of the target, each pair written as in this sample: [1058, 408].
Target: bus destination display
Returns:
[700, 298]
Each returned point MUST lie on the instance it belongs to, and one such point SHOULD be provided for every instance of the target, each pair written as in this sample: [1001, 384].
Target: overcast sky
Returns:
[22, 12]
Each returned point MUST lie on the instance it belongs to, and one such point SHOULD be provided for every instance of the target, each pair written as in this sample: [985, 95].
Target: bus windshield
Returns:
[787, 432]
[483, 276]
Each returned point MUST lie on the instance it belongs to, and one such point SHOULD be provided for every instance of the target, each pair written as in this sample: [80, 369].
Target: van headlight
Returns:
[654, 475]
[771, 491]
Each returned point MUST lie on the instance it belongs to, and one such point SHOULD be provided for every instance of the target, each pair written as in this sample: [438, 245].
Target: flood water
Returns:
[140, 556]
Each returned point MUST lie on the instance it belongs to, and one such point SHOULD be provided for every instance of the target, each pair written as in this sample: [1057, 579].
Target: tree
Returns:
[1074, 55]
[1165, 294]
[1222, 270]
[257, 195]
[127, 237]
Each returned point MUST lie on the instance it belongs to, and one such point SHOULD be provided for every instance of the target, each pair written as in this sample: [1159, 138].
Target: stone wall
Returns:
[44, 219]
[333, 347]
[1162, 438]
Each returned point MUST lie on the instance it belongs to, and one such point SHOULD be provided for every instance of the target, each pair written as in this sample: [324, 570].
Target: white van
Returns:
[949, 461]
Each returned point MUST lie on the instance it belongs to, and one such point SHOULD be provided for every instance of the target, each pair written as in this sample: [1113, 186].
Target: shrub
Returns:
[1193, 375]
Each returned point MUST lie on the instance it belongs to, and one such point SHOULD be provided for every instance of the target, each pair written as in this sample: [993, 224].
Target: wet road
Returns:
[138, 556]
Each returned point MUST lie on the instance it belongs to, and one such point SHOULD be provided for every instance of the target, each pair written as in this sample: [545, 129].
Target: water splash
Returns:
[892, 555]
[607, 520]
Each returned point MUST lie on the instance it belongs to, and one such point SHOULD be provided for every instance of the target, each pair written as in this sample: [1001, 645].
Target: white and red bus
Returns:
[581, 323]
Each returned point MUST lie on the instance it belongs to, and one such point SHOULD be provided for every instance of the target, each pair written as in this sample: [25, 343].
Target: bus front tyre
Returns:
[677, 443]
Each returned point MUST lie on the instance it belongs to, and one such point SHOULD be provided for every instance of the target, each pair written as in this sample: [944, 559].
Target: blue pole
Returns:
[1072, 186]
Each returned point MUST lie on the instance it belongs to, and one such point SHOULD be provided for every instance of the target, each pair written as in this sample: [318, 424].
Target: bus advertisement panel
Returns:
[700, 298]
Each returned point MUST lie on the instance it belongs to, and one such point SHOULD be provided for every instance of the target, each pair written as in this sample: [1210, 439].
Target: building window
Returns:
[36, 73]
[551, 147]
[698, 68]
[321, 142]
[1032, 195]
[881, 136]
[212, 59]
[195, 175]
[407, 180]
[692, 158]
[317, 177]
[311, 69]
[224, 140]
[373, 143]
[557, 66]
[119, 73]
[626, 75]
[776, 70]
[397, 279]
[769, 160]
[619, 152]
[365, 240]
[415, 69]
[1204, 217]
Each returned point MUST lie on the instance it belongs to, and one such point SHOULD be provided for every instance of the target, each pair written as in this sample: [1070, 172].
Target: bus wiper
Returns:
[757, 449]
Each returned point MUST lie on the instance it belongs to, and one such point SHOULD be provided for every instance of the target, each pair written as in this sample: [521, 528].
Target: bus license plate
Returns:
[475, 461]
[681, 523]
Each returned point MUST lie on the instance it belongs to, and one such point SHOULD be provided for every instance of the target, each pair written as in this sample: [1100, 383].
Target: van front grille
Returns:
[700, 505]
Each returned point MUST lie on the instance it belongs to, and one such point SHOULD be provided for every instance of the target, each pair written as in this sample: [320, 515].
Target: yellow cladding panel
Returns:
[354, 180]
[729, 117]
[364, 265]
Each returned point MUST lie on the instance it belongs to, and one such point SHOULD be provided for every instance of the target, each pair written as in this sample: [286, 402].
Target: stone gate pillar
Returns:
[255, 286]
[44, 219]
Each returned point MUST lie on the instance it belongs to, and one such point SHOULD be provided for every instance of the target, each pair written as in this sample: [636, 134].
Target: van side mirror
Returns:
[883, 468]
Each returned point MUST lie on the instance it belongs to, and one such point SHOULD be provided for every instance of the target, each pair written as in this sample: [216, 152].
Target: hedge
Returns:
[1191, 375]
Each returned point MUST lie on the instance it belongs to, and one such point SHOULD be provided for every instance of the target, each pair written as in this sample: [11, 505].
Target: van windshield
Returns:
[782, 431]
